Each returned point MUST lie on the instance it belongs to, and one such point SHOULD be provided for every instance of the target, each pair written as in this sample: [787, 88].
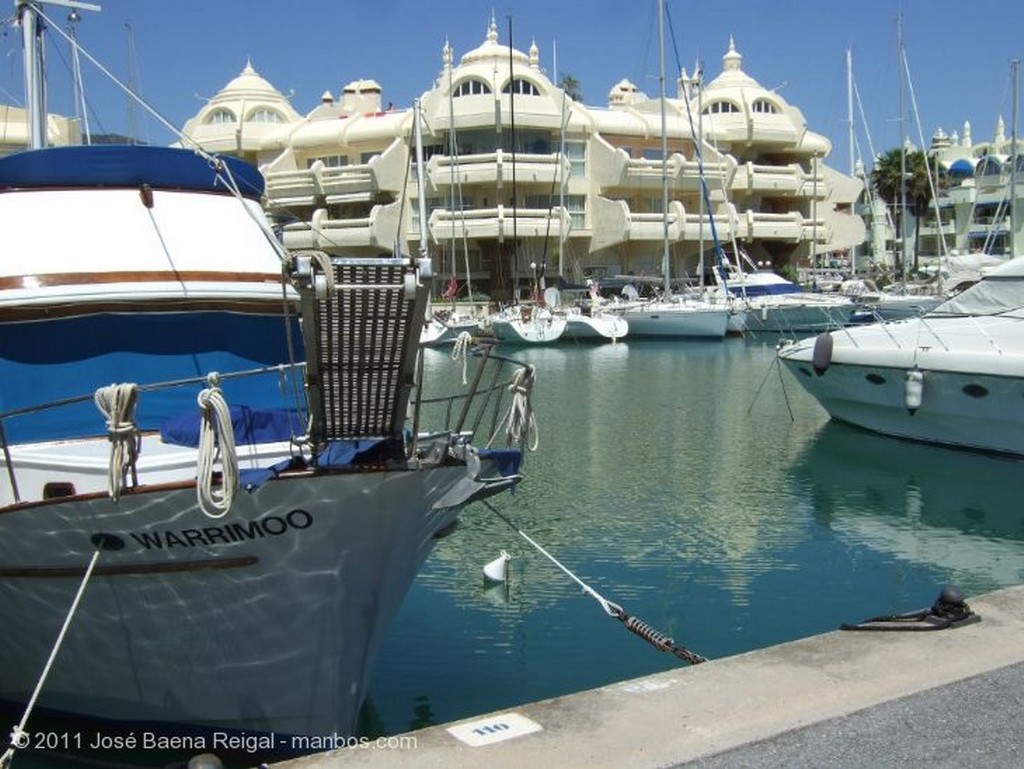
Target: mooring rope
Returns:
[633, 624]
[950, 610]
[460, 350]
[216, 438]
[117, 404]
[19, 738]
[520, 420]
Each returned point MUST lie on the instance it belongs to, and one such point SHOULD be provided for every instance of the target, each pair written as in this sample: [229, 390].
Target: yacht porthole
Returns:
[975, 390]
[875, 379]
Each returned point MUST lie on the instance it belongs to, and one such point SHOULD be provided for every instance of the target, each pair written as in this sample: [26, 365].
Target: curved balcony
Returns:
[498, 223]
[288, 189]
[495, 168]
[378, 230]
[757, 178]
[813, 185]
[683, 174]
[819, 230]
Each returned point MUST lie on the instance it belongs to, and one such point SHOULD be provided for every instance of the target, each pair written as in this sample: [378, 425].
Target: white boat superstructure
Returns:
[954, 376]
[771, 303]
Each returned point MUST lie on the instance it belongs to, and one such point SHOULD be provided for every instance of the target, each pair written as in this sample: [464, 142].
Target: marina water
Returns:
[701, 489]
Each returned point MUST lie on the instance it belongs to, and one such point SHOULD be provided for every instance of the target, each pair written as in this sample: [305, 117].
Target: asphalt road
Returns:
[976, 723]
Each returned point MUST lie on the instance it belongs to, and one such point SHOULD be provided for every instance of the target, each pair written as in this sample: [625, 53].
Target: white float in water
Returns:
[497, 570]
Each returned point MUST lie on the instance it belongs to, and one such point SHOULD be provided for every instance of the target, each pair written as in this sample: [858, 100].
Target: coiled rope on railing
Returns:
[520, 422]
[633, 624]
[460, 350]
[216, 439]
[19, 738]
[117, 403]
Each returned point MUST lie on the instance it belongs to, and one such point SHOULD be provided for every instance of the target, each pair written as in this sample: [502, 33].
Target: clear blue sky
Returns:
[958, 53]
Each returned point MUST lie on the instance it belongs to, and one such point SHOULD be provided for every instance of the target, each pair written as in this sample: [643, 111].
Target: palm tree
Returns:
[571, 86]
[887, 179]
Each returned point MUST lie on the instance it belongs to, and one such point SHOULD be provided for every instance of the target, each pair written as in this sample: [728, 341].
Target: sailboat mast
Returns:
[561, 167]
[35, 83]
[512, 141]
[903, 159]
[1015, 68]
[421, 197]
[849, 114]
[664, 145]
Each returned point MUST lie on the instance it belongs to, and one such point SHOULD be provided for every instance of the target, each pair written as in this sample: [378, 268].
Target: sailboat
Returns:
[218, 540]
[685, 315]
[533, 322]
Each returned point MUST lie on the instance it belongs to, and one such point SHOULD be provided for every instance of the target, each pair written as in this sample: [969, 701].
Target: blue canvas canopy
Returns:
[125, 165]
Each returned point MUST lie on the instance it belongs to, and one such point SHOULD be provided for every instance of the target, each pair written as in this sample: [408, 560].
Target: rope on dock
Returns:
[19, 737]
[949, 610]
[633, 624]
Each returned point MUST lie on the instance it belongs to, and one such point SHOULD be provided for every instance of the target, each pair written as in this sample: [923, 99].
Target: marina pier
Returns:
[948, 698]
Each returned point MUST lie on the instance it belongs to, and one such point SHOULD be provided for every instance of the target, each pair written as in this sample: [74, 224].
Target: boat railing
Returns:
[287, 374]
[480, 408]
[492, 382]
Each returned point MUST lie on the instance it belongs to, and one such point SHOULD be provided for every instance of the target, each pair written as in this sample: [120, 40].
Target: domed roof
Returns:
[491, 49]
[732, 75]
[249, 83]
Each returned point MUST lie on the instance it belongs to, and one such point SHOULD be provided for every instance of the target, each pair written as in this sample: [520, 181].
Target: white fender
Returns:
[913, 390]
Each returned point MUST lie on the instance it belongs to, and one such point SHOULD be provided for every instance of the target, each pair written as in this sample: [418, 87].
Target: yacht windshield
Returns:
[991, 296]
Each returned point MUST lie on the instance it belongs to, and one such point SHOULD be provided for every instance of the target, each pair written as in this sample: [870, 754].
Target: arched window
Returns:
[720, 107]
[220, 116]
[988, 166]
[472, 87]
[764, 107]
[265, 115]
[520, 87]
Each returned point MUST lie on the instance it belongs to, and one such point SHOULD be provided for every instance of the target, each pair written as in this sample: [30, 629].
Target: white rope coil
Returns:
[461, 350]
[324, 261]
[522, 424]
[19, 737]
[117, 403]
[216, 439]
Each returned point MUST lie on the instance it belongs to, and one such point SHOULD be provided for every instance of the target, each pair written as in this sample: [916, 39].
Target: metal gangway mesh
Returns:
[362, 338]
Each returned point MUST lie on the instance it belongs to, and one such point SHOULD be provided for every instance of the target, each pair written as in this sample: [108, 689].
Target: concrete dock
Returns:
[948, 698]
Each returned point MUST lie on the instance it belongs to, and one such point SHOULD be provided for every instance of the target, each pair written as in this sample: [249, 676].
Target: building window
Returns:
[521, 87]
[264, 115]
[720, 107]
[472, 87]
[577, 154]
[765, 107]
[330, 161]
[220, 116]
[577, 207]
[988, 166]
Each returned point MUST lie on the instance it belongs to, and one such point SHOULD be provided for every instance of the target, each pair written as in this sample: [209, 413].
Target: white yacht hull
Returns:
[795, 313]
[972, 380]
[677, 320]
[528, 329]
[266, 619]
[603, 326]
